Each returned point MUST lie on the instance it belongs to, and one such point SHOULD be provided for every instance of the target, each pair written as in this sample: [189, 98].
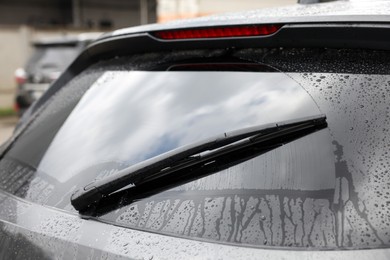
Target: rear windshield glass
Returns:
[327, 190]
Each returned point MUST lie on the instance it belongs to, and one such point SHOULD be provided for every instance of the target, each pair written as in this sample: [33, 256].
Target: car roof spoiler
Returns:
[352, 35]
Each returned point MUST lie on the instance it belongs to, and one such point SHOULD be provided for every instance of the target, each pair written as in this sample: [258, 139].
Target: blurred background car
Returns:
[49, 59]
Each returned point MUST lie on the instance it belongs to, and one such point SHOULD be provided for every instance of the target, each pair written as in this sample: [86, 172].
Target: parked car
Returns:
[51, 56]
[257, 135]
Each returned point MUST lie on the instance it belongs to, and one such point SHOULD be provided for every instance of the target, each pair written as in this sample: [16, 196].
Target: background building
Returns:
[179, 9]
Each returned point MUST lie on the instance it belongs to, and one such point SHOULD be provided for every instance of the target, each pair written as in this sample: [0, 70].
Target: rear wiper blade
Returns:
[197, 159]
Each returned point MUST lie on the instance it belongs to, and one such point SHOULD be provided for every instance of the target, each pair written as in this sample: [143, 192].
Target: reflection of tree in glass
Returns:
[353, 225]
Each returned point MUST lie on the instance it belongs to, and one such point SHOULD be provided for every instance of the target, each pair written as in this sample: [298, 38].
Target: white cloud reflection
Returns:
[132, 116]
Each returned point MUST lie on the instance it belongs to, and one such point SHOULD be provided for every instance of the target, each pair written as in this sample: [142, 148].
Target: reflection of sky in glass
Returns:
[133, 116]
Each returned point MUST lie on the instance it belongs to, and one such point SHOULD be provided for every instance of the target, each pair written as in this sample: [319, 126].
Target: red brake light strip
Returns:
[218, 32]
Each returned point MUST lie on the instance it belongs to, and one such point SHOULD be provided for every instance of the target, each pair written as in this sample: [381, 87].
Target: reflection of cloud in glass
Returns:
[132, 116]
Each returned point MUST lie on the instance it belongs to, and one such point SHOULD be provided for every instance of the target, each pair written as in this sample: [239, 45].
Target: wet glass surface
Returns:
[329, 189]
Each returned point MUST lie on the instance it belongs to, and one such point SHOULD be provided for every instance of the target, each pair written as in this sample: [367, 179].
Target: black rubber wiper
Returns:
[196, 160]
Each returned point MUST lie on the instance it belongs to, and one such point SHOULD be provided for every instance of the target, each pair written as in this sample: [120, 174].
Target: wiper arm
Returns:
[197, 159]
